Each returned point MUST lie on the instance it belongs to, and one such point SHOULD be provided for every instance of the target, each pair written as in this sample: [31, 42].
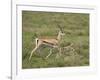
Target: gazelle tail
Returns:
[36, 41]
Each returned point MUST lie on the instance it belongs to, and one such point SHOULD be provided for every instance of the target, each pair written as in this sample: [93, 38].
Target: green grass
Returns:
[37, 24]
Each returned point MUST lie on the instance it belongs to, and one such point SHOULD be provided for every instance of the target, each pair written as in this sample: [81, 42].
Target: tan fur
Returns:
[53, 42]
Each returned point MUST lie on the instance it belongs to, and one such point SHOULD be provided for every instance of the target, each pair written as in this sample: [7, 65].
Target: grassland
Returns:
[37, 24]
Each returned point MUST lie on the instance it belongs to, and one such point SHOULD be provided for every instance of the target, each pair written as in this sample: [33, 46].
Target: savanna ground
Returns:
[37, 24]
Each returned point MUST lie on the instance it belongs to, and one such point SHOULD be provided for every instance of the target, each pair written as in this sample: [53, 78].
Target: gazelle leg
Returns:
[37, 46]
[32, 52]
[49, 54]
[59, 53]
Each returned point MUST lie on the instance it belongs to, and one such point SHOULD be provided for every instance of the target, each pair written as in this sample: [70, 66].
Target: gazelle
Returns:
[51, 42]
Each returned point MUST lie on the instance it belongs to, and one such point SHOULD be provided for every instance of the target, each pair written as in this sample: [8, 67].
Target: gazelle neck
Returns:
[59, 36]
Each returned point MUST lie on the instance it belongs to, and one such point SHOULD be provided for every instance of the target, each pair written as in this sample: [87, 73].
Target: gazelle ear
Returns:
[59, 25]
[60, 28]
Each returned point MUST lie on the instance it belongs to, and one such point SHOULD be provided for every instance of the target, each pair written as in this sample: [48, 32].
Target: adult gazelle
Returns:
[51, 42]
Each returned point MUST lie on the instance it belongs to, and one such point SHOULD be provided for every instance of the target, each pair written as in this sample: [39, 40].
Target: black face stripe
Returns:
[48, 43]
